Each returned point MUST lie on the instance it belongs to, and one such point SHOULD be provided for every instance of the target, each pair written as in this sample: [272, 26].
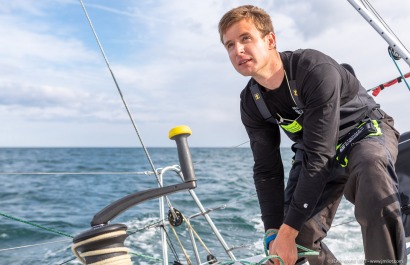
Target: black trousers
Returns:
[370, 183]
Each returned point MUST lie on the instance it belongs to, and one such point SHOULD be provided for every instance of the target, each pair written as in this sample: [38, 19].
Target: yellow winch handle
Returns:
[180, 135]
[182, 129]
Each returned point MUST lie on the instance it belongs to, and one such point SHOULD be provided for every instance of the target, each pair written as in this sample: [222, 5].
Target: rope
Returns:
[245, 262]
[36, 225]
[306, 251]
[117, 260]
[122, 259]
[170, 245]
[376, 90]
[265, 259]
[398, 68]
[52, 231]
[188, 260]
[196, 234]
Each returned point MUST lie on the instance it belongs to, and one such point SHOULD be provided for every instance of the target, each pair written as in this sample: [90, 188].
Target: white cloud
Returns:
[169, 64]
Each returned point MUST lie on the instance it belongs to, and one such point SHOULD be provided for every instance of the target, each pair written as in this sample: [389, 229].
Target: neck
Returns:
[272, 76]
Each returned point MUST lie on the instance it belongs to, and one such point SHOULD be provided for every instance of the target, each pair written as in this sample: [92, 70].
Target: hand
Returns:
[284, 246]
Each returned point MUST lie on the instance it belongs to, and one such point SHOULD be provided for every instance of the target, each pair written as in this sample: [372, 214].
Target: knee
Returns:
[366, 160]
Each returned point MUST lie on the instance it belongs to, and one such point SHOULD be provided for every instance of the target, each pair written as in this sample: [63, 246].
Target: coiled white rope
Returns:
[122, 259]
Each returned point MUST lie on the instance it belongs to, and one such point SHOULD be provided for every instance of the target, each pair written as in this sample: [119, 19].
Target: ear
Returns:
[271, 40]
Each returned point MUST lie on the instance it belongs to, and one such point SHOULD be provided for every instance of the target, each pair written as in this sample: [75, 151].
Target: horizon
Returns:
[56, 91]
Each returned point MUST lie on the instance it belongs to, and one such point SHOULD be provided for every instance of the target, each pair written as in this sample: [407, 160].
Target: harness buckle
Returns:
[366, 128]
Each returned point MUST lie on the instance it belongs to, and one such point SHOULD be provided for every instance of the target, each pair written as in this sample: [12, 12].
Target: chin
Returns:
[244, 73]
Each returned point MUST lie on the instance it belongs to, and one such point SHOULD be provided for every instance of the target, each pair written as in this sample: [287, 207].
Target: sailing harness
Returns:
[292, 126]
[367, 127]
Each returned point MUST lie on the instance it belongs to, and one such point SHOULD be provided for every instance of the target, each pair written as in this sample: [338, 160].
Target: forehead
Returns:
[239, 28]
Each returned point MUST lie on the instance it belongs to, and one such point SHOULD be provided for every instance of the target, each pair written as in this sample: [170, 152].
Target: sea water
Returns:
[67, 202]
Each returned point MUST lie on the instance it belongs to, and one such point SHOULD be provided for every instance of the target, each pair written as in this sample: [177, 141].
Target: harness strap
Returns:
[260, 103]
[292, 82]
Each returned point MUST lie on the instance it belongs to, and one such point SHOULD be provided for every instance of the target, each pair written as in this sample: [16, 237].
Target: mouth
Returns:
[244, 61]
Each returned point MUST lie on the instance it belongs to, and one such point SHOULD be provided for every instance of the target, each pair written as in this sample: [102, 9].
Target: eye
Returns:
[246, 38]
[229, 45]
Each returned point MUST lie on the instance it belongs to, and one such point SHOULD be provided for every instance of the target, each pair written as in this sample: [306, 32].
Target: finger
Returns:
[273, 261]
[277, 261]
[270, 262]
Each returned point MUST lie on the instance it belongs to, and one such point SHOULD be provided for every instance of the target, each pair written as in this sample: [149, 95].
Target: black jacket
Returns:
[333, 103]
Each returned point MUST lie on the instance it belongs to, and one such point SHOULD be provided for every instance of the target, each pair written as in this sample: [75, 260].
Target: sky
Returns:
[56, 90]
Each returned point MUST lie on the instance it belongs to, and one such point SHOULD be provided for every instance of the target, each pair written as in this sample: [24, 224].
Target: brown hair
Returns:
[260, 18]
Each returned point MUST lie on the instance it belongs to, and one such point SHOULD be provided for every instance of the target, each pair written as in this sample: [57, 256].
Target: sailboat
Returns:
[105, 241]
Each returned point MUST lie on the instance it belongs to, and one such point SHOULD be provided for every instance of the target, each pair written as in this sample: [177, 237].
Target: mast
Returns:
[383, 31]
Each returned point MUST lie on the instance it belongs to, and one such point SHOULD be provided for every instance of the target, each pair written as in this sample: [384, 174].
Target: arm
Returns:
[268, 169]
[320, 92]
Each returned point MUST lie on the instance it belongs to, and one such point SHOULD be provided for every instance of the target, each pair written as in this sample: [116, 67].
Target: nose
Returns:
[239, 48]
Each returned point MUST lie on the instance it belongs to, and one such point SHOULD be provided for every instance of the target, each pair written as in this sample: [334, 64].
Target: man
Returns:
[323, 108]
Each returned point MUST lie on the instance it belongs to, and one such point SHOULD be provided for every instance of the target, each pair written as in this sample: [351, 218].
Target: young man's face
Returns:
[248, 51]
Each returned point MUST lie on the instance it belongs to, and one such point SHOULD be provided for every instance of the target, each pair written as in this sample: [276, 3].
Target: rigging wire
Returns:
[236, 146]
[124, 102]
[35, 245]
[119, 90]
[78, 173]
[170, 245]
[156, 224]
[372, 9]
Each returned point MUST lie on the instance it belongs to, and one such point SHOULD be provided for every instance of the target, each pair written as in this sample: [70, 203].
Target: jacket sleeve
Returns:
[321, 95]
[268, 169]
